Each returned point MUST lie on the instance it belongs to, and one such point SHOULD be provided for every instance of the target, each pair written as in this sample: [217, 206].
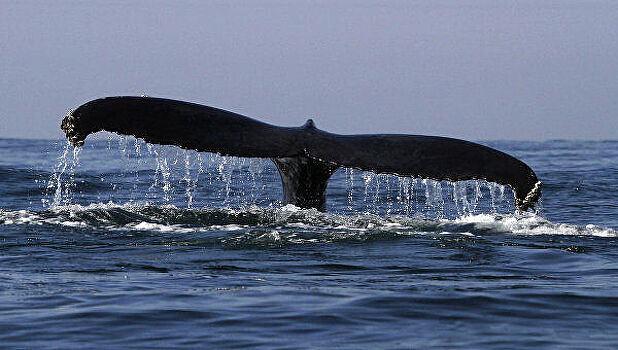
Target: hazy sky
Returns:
[481, 70]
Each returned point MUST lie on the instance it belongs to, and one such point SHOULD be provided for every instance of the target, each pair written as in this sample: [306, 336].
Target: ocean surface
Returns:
[122, 244]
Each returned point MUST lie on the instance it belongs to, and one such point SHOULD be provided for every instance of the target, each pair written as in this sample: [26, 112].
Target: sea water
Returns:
[125, 244]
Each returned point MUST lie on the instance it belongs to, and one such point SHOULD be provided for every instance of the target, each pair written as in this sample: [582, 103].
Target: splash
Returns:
[62, 180]
[406, 193]
[162, 173]
[466, 196]
[434, 197]
[191, 177]
[349, 180]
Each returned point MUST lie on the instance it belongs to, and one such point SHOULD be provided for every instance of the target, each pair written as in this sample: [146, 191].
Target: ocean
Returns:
[122, 244]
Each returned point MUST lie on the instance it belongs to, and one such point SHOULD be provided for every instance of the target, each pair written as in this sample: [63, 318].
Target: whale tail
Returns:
[305, 156]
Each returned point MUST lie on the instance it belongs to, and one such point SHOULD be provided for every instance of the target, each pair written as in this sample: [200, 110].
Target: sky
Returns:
[478, 70]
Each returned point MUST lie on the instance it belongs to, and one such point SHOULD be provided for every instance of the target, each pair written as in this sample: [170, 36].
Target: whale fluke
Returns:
[305, 156]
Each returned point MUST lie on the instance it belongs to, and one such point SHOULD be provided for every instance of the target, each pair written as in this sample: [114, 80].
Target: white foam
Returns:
[150, 226]
[273, 236]
[290, 208]
[457, 233]
[290, 218]
[67, 223]
[229, 227]
[530, 224]
[20, 217]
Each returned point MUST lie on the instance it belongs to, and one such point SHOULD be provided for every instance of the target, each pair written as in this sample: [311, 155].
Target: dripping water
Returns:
[62, 180]
[168, 175]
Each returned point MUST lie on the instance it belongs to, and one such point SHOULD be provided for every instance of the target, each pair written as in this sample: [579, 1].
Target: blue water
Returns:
[123, 244]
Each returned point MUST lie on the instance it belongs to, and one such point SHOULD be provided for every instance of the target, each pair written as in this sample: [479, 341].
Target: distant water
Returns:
[124, 244]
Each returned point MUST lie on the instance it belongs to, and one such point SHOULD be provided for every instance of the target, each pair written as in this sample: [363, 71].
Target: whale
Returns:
[305, 156]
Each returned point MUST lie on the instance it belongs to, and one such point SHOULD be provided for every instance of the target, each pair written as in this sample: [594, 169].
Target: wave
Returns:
[283, 225]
